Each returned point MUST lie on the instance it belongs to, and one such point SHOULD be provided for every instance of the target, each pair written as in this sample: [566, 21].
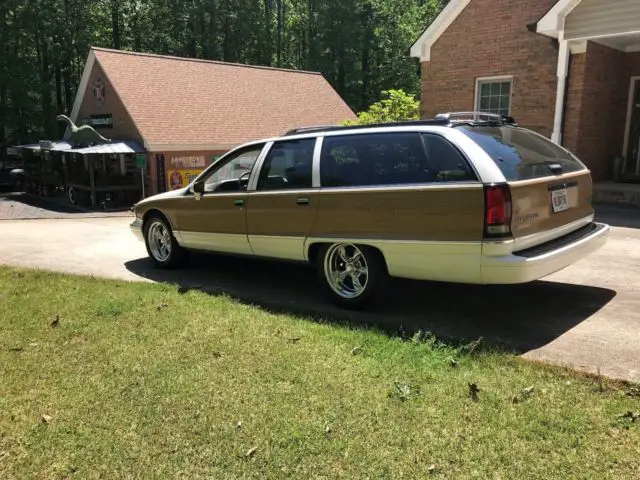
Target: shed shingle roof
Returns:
[179, 101]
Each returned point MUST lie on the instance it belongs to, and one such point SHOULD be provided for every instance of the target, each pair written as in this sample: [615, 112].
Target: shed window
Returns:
[493, 95]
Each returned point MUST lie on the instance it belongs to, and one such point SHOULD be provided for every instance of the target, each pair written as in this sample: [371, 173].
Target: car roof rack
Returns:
[333, 128]
[479, 117]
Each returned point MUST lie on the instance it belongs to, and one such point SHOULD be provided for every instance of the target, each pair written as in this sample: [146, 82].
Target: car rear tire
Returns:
[71, 196]
[162, 246]
[351, 275]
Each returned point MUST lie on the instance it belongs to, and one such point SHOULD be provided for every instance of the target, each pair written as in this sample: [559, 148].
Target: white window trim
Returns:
[496, 79]
[627, 128]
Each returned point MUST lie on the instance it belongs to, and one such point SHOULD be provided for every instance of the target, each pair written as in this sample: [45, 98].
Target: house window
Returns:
[493, 95]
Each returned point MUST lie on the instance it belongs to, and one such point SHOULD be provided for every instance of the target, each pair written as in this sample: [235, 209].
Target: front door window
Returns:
[232, 174]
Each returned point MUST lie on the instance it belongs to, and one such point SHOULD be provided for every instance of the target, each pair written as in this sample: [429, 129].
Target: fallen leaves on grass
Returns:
[46, 418]
[473, 392]
[624, 420]
[525, 393]
[633, 392]
[633, 416]
[404, 391]
[251, 452]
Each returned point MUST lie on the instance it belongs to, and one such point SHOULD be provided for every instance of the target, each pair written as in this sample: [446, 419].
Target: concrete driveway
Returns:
[586, 317]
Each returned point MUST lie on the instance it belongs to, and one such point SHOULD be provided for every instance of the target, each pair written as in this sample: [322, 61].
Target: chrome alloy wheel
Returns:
[159, 239]
[346, 270]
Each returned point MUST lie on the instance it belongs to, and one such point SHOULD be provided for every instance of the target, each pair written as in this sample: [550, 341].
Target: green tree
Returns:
[395, 106]
[360, 46]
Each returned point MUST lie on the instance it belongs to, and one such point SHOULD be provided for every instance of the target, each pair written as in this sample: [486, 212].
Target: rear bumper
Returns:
[538, 262]
[136, 229]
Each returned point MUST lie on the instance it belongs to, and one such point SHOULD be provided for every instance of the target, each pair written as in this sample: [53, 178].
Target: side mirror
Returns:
[198, 187]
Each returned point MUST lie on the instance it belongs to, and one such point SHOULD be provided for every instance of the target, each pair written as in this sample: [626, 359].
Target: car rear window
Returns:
[521, 154]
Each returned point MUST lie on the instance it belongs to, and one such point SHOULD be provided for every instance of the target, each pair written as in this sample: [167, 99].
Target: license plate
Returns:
[559, 200]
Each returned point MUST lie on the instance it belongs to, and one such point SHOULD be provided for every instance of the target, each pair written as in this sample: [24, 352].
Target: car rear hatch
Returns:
[549, 189]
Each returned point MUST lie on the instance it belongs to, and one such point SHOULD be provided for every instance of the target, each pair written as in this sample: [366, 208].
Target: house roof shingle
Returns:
[179, 101]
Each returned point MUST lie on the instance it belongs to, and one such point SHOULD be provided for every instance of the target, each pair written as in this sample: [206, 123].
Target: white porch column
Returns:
[562, 72]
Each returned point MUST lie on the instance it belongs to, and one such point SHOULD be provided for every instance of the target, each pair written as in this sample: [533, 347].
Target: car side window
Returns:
[227, 175]
[446, 163]
[373, 159]
[288, 165]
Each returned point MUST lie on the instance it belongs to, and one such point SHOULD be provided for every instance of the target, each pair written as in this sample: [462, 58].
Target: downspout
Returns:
[562, 73]
[566, 96]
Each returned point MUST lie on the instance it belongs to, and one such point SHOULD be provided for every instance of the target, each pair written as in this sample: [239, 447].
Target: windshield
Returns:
[521, 154]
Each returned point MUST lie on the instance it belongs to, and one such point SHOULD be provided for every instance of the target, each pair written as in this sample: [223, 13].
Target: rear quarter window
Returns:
[521, 154]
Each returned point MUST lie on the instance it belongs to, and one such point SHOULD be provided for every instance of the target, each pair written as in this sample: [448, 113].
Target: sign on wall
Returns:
[104, 120]
[183, 169]
[181, 178]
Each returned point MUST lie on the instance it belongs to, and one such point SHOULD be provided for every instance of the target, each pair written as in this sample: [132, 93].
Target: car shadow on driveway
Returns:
[618, 216]
[512, 318]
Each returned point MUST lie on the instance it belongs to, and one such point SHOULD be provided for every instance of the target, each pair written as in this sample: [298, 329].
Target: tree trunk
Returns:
[267, 57]
[45, 85]
[366, 57]
[279, 39]
[59, 102]
[135, 28]
[4, 51]
[191, 44]
[115, 23]
[212, 48]
[312, 41]
[227, 41]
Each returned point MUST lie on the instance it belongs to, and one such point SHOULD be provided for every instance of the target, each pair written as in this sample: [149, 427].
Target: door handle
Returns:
[238, 203]
[302, 201]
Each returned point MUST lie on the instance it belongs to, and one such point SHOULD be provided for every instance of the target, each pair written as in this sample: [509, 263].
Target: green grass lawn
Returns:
[140, 381]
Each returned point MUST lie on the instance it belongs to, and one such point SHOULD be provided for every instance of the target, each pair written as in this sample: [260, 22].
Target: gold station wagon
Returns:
[465, 197]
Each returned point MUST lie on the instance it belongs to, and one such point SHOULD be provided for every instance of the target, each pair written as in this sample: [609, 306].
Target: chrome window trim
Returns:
[292, 191]
[432, 186]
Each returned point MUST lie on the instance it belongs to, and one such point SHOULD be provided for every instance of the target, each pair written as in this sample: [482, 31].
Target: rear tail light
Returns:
[497, 211]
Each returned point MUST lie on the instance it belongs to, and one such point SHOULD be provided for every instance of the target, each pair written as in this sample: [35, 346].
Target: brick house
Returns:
[181, 114]
[569, 69]
[185, 112]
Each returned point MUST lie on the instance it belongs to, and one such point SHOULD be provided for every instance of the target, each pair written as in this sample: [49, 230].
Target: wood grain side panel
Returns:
[420, 214]
[279, 214]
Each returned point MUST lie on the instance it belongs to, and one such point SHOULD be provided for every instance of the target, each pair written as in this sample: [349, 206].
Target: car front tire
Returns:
[351, 275]
[162, 246]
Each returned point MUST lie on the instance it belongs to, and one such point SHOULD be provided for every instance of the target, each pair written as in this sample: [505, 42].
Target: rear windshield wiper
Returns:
[556, 168]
